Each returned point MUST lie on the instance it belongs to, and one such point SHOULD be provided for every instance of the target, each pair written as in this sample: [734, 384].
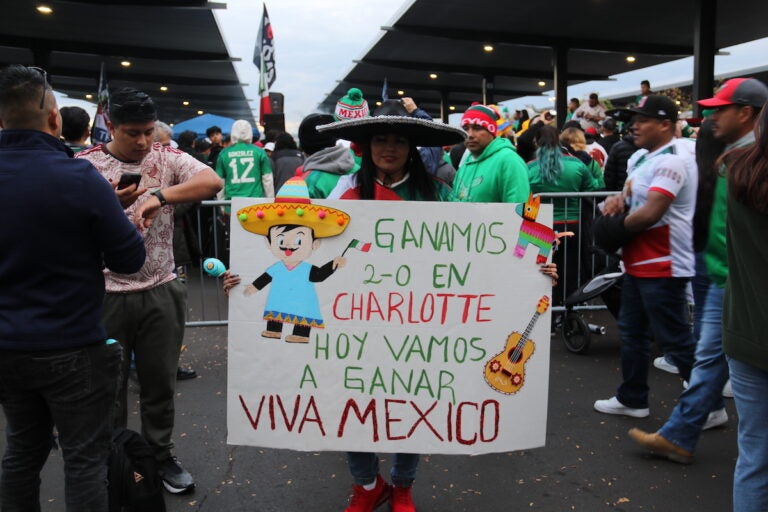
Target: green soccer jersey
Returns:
[243, 166]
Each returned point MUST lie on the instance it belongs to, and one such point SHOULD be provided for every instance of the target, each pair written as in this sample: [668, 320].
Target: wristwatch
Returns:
[160, 197]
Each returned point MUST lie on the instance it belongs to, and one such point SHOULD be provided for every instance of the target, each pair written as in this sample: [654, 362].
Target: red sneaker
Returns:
[401, 500]
[367, 501]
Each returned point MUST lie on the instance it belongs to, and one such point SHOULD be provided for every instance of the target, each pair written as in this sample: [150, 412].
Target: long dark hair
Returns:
[748, 168]
[419, 182]
[548, 153]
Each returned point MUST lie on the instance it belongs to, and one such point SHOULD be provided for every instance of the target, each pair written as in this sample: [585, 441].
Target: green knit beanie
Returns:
[351, 106]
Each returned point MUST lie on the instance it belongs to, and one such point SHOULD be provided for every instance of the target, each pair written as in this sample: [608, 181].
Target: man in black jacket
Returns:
[609, 134]
[615, 173]
[62, 224]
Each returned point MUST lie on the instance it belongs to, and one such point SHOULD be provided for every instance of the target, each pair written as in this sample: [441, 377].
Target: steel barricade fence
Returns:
[207, 303]
[580, 261]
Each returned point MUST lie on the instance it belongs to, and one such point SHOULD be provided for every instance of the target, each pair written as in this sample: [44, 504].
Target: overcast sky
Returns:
[317, 40]
[315, 44]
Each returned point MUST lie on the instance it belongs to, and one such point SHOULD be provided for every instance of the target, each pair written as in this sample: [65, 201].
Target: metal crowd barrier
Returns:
[207, 304]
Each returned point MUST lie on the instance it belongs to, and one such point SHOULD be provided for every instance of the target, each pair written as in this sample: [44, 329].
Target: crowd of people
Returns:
[686, 210]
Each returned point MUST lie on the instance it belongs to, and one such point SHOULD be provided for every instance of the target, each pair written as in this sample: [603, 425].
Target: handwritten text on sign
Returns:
[429, 334]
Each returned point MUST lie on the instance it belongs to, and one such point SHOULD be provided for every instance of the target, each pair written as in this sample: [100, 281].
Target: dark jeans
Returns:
[569, 262]
[149, 324]
[73, 389]
[655, 307]
[364, 467]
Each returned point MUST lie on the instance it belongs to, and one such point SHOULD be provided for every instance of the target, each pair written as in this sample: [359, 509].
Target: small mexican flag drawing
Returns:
[359, 245]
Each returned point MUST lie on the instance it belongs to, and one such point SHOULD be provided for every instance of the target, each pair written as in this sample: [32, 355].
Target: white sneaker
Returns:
[727, 389]
[613, 406]
[662, 364]
[716, 419]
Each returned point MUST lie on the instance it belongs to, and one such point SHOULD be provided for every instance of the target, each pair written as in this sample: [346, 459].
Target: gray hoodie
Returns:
[334, 160]
[323, 169]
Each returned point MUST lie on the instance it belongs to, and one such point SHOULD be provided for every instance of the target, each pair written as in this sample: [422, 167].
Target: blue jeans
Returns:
[364, 467]
[700, 290]
[658, 307]
[710, 371]
[750, 480]
[75, 390]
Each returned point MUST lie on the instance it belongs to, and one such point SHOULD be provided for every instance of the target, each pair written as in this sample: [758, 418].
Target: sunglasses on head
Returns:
[140, 101]
[44, 73]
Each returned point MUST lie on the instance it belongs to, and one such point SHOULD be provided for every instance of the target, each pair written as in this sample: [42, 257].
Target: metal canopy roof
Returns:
[446, 37]
[172, 43]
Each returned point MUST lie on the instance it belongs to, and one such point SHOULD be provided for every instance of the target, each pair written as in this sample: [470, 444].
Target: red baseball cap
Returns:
[738, 91]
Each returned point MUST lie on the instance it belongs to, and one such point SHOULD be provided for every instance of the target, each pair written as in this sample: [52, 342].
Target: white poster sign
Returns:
[389, 326]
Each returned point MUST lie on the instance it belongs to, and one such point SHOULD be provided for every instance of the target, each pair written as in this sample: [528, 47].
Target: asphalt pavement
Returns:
[589, 464]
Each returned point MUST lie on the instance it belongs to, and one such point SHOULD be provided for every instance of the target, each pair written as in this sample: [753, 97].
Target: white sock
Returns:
[371, 486]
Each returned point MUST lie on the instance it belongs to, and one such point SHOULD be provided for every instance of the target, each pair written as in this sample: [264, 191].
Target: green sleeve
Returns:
[588, 181]
[266, 167]
[443, 191]
[516, 187]
[533, 171]
[312, 180]
[597, 175]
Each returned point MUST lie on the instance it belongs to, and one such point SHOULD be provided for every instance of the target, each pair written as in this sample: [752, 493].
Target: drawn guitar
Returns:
[505, 372]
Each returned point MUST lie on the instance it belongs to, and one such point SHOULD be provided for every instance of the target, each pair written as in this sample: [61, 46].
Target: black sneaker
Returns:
[176, 479]
[185, 373]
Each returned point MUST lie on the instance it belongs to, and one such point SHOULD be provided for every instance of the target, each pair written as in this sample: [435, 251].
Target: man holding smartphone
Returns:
[145, 311]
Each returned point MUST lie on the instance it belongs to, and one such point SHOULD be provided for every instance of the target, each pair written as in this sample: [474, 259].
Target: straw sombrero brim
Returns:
[420, 132]
[324, 220]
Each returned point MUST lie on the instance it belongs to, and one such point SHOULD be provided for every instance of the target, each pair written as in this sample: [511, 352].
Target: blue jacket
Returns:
[60, 223]
[432, 157]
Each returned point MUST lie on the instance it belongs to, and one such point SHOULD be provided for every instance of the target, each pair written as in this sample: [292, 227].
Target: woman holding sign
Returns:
[391, 169]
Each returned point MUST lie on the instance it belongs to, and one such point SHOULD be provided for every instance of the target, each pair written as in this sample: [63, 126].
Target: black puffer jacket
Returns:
[615, 172]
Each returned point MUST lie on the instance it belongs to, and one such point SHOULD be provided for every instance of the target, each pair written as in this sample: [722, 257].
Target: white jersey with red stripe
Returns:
[666, 248]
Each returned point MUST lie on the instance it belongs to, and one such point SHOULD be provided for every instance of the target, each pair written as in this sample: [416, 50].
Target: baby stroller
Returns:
[576, 332]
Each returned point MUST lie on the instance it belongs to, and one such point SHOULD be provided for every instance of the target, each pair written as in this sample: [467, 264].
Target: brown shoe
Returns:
[292, 338]
[660, 446]
[271, 334]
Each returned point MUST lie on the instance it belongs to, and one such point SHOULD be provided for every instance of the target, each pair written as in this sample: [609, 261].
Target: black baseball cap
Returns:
[656, 106]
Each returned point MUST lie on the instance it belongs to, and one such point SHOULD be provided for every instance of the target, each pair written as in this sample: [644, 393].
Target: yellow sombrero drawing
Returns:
[293, 206]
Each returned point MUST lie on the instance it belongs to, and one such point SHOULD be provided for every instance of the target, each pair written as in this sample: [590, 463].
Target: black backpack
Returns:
[134, 485]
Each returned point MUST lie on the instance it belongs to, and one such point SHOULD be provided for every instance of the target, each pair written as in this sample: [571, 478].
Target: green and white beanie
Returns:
[351, 106]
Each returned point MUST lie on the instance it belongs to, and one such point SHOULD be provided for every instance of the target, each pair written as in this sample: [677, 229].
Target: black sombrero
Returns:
[420, 132]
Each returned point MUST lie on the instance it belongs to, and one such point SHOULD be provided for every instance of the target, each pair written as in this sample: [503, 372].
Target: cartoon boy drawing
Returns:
[293, 228]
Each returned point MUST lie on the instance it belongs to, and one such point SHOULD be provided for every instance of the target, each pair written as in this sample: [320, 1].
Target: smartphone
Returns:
[126, 180]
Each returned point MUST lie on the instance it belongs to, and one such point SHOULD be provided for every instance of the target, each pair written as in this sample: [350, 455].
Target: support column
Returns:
[704, 31]
[444, 103]
[487, 90]
[560, 62]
